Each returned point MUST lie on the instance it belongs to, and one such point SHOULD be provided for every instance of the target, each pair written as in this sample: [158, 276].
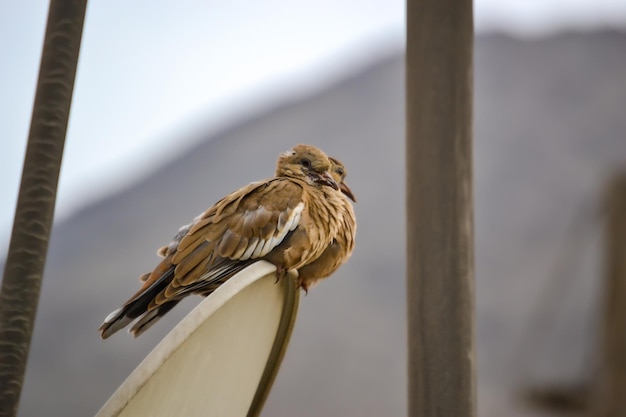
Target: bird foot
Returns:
[302, 284]
[281, 272]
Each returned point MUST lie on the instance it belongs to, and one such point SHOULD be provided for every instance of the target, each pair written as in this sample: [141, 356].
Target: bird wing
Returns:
[238, 230]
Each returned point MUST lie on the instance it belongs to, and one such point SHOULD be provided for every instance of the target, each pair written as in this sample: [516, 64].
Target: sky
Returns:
[152, 72]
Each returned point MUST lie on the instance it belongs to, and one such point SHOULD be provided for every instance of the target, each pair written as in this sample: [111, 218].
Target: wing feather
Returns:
[242, 227]
[251, 247]
[195, 257]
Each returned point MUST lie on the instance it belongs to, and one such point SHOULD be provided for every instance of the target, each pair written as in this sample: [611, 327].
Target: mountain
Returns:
[549, 128]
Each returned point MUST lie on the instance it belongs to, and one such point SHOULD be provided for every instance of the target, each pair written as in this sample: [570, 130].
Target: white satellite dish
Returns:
[221, 359]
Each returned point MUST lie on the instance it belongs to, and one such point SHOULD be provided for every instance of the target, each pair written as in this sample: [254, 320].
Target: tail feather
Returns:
[141, 306]
[149, 318]
[114, 322]
[135, 307]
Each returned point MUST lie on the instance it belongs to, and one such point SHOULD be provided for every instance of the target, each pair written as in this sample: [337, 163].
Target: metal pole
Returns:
[21, 283]
[440, 271]
[611, 401]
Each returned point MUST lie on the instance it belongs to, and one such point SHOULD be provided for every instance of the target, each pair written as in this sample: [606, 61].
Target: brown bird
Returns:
[288, 220]
[337, 253]
[340, 249]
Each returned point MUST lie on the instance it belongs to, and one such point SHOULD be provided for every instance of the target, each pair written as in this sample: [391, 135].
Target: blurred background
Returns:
[179, 103]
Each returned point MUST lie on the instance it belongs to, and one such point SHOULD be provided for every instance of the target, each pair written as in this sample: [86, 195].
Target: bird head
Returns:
[339, 173]
[308, 163]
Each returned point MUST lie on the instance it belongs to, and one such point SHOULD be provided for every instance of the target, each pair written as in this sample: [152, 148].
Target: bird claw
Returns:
[301, 284]
[281, 272]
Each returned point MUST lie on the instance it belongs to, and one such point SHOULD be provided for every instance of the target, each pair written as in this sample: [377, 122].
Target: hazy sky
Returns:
[152, 71]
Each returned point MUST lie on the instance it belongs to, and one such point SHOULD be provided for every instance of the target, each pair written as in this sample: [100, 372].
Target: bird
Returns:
[341, 248]
[272, 219]
[288, 220]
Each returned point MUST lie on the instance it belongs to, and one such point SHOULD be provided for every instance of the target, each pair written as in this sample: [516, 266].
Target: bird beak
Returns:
[347, 191]
[326, 179]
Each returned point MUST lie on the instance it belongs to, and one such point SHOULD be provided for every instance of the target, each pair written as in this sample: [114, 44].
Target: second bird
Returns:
[340, 249]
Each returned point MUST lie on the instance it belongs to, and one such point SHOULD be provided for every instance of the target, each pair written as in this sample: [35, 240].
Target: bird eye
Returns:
[306, 163]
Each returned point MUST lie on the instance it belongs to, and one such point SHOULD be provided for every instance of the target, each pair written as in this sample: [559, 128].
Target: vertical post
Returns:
[611, 398]
[440, 281]
[21, 283]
